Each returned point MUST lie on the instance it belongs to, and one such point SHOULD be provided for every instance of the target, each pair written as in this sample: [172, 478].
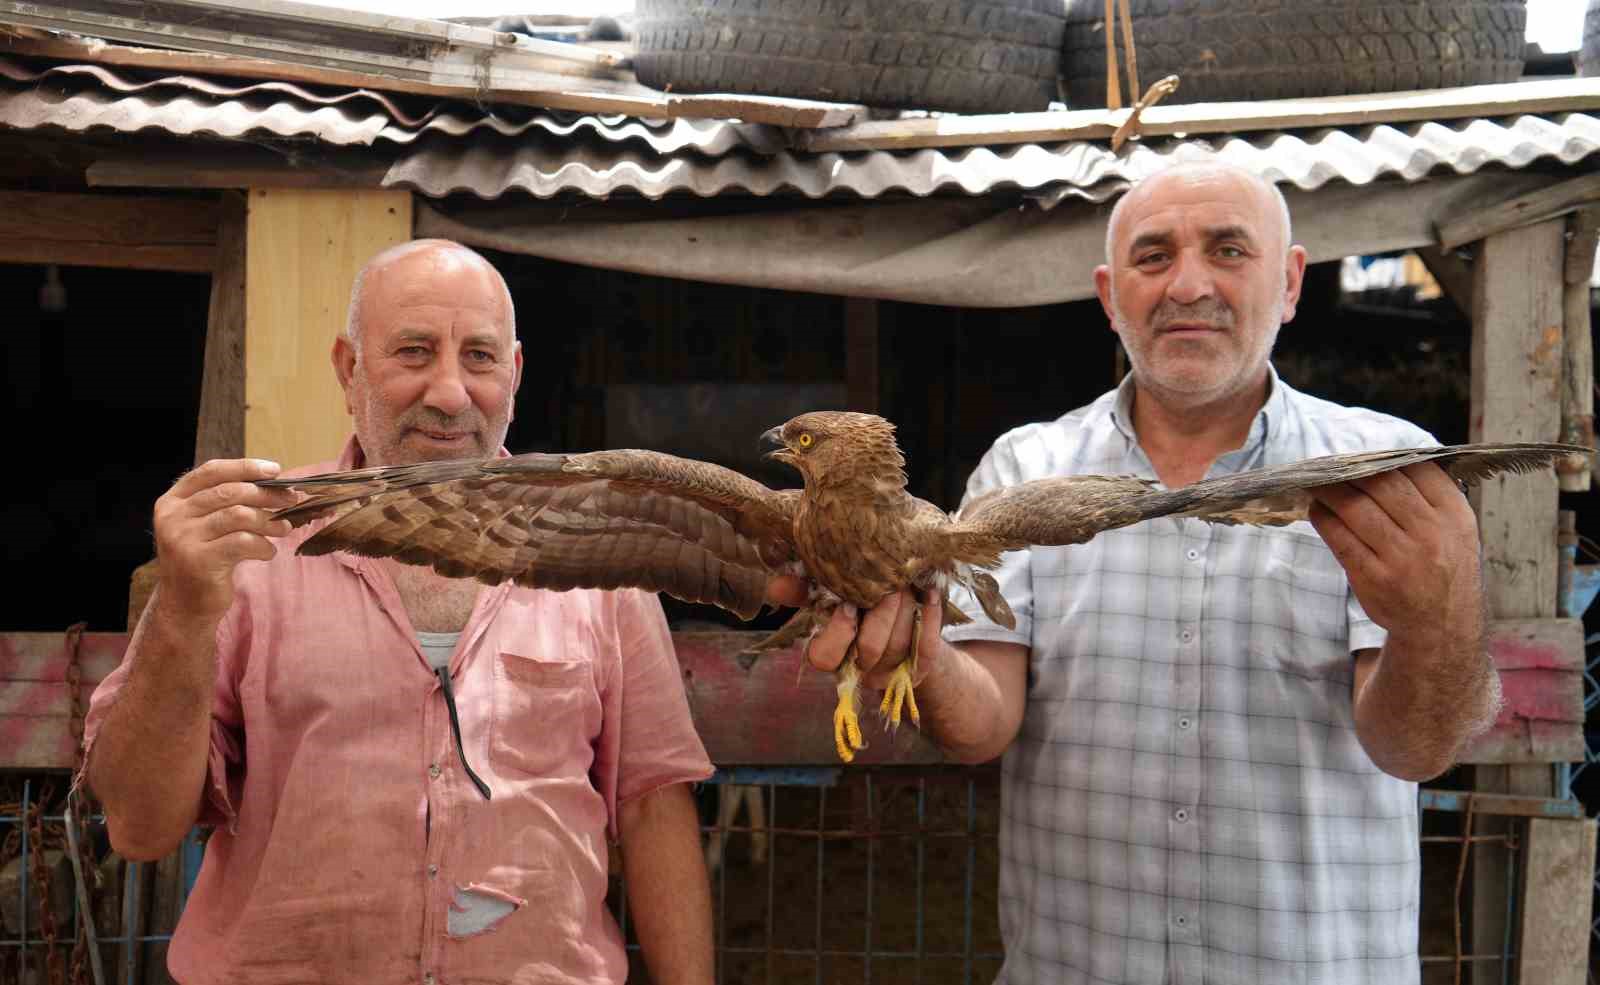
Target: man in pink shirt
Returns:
[411, 778]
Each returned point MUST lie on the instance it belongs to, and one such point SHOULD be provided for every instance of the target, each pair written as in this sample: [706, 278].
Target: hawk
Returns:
[708, 534]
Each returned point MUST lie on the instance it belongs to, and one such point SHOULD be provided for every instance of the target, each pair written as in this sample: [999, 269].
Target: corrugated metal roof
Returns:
[82, 97]
[1410, 152]
[441, 147]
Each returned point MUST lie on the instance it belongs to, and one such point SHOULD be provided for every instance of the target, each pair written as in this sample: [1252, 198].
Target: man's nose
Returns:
[1191, 279]
[447, 392]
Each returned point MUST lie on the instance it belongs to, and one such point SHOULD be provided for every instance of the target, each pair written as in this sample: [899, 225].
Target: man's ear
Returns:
[344, 367]
[1102, 288]
[1294, 279]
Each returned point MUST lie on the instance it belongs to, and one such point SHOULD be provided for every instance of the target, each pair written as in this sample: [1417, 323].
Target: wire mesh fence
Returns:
[877, 875]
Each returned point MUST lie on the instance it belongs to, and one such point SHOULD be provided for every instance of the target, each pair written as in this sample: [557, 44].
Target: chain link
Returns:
[41, 886]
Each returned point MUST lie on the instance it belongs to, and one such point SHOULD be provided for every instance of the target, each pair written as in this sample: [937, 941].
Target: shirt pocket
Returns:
[1301, 616]
[546, 715]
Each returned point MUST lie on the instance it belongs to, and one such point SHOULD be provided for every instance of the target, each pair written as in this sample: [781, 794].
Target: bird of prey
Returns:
[708, 534]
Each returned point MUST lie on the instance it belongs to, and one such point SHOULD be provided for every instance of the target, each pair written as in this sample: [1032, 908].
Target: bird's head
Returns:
[835, 446]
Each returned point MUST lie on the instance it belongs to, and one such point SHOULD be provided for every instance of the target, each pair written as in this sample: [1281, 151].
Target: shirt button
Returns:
[433, 770]
[1192, 554]
[433, 870]
[1181, 814]
[1186, 636]
[1183, 921]
[1184, 723]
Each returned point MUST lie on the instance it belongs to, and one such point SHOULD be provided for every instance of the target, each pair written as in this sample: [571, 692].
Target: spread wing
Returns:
[611, 519]
[1073, 509]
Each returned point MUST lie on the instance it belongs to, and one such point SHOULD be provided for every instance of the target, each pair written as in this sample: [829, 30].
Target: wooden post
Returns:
[220, 433]
[1553, 942]
[1577, 391]
[1517, 354]
[302, 250]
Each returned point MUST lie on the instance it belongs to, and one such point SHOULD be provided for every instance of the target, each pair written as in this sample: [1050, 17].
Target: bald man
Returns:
[410, 778]
[1211, 735]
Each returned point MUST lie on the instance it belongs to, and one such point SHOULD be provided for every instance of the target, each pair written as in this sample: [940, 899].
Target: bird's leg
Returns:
[899, 693]
[847, 714]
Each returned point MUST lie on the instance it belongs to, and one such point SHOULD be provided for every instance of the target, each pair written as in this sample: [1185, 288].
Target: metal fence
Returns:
[877, 875]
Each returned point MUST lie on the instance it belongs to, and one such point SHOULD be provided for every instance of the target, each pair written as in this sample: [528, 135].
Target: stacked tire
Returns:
[961, 56]
[1278, 49]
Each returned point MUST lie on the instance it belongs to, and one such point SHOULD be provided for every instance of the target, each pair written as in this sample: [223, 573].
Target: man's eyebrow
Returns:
[1157, 237]
[1215, 234]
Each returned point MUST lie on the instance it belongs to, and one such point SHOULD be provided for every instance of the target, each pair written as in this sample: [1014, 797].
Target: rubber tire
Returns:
[960, 56]
[1278, 49]
[1589, 53]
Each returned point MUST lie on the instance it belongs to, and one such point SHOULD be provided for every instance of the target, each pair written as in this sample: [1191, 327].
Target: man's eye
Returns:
[1231, 252]
[1146, 259]
[480, 356]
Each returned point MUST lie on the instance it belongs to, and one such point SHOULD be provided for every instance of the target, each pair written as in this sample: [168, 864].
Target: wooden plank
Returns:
[1577, 374]
[1501, 805]
[637, 100]
[1453, 274]
[1535, 96]
[1519, 210]
[237, 167]
[1553, 940]
[861, 353]
[586, 95]
[303, 248]
[141, 232]
[1536, 644]
[220, 430]
[776, 711]
[1516, 370]
[34, 705]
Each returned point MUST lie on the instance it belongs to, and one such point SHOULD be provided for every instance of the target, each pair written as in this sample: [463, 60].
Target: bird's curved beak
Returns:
[774, 436]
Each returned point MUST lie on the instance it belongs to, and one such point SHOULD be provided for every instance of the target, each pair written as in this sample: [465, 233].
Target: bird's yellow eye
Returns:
[804, 441]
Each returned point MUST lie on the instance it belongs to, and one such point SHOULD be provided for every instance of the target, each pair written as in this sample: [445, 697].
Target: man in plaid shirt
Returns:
[1212, 735]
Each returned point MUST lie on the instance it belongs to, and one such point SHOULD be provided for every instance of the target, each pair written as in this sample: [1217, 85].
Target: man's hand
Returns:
[211, 519]
[789, 590]
[882, 637]
[1408, 541]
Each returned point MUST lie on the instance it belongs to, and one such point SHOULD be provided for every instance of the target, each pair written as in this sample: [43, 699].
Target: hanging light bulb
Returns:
[52, 293]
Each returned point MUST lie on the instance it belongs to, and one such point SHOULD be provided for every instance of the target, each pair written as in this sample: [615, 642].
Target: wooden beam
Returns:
[760, 711]
[1577, 374]
[1516, 373]
[769, 710]
[1558, 894]
[141, 232]
[861, 353]
[1519, 210]
[220, 431]
[1541, 96]
[241, 167]
[622, 96]
[302, 251]
[1453, 273]
[1540, 662]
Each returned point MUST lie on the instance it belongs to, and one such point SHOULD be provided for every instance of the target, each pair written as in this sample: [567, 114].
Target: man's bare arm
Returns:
[148, 763]
[668, 892]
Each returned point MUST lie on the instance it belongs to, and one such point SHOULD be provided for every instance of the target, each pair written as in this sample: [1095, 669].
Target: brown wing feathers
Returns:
[559, 522]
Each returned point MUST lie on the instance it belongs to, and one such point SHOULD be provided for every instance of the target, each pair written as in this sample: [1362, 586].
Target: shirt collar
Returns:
[1264, 427]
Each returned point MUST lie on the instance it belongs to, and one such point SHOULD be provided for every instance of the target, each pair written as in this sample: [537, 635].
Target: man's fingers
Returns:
[224, 523]
[245, 546]
[829, 644]
[885, 632]
[220, 470]
[228, 495]
[1350, 551]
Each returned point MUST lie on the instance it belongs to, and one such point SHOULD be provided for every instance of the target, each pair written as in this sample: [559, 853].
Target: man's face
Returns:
[439, 364]
[1199, 281]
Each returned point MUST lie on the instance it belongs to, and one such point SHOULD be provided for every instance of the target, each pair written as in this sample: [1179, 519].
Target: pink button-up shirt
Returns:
[346, 830]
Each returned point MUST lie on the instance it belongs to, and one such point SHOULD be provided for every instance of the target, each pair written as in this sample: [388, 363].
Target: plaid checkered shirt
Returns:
[1187, 800]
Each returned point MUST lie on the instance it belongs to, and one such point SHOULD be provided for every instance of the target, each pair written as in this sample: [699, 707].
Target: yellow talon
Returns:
[846, 720]
[900, 694]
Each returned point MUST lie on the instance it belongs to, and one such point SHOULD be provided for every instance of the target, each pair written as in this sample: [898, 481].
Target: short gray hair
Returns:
[398, 252]
[1206, 164]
